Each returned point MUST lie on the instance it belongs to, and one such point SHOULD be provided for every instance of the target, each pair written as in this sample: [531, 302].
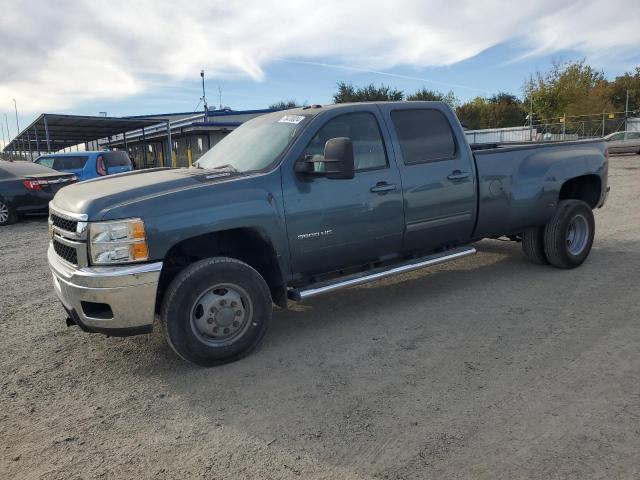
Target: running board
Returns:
[319, 288]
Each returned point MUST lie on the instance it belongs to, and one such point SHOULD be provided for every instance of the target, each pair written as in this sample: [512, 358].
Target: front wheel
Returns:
[568, 237]
[216, 311]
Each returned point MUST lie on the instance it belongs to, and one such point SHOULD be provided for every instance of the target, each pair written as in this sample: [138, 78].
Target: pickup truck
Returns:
[302, 202]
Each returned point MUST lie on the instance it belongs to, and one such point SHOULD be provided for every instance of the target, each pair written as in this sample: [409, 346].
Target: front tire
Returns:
[568, 237]
[216, 311]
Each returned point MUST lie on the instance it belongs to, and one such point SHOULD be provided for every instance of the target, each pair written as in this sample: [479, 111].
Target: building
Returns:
[191, 136]
[145, 137]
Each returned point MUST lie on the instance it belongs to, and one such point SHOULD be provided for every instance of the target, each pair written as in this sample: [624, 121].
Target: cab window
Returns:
[363, 130]
[424, 135]
[45, 161]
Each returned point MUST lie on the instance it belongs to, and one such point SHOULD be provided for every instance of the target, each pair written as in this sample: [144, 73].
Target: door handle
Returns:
[458, 175]
[382, 187]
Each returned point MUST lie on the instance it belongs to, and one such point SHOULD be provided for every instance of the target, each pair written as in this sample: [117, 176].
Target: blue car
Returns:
[88, 165]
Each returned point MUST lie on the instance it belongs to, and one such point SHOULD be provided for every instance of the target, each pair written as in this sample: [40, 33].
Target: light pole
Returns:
[6, 121]
[204, 97]
[15, 106]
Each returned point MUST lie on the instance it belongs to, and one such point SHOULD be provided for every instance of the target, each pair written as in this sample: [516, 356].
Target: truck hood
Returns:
[96, 197]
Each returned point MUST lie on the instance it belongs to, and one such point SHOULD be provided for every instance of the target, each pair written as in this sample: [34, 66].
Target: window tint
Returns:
[117, 159]
[362, 128]
[69, 163]
[424, 135]
[46, 161]
[633, 135]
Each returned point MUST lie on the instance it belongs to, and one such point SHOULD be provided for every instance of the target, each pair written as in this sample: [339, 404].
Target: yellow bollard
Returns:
[174, 159]
[189, 155]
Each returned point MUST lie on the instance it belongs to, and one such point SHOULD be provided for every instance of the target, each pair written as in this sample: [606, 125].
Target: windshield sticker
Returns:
[295, 119]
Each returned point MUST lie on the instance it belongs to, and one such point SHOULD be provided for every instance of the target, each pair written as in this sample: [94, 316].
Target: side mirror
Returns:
[338, 160]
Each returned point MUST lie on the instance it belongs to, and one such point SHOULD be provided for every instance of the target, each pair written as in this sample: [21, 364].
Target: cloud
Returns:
[55, 55]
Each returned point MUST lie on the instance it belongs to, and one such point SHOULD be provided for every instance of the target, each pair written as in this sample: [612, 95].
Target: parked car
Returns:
[88, 165]
[26, 188]
[623, 142]
[303, 202]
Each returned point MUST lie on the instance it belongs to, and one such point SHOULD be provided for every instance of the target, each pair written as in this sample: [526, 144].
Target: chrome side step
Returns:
[319, 288]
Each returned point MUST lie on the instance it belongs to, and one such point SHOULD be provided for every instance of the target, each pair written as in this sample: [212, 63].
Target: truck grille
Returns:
[66, 252]
[63, 223]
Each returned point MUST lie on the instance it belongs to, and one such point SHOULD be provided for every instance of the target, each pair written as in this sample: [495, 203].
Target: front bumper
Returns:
[117, 300]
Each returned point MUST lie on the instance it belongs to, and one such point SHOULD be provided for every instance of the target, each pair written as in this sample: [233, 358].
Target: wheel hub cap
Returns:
[4, 212]
[577, 234]
[220, 314]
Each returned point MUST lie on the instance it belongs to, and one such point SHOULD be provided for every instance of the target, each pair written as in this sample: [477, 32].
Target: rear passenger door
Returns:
[438, 176]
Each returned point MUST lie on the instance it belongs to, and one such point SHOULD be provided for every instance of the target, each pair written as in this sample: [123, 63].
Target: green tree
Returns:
[369, 93]
[572, 88]
[424, 94]
[629, 81]
[285, 104]
[499, 111]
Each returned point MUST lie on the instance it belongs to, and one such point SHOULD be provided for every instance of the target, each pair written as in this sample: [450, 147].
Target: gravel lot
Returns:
[489, 367]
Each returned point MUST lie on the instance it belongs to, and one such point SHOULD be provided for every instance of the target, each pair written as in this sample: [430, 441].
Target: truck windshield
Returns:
[256, 144]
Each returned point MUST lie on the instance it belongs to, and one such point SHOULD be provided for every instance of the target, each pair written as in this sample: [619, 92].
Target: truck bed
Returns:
[519, 184]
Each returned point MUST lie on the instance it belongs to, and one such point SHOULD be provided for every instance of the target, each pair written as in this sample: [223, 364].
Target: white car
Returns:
[623, 142]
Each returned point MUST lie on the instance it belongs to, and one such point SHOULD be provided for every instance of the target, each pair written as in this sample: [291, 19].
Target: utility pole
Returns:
[204, 97]
[220, 96]
[626, 111]
[531, 110]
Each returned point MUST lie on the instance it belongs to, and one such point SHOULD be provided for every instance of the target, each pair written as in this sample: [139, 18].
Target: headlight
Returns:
[119, 241]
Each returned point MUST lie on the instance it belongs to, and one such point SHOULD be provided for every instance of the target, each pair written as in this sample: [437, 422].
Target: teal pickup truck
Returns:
[302, 202]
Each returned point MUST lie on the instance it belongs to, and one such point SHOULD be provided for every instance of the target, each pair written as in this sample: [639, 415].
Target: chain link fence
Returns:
[559, 129]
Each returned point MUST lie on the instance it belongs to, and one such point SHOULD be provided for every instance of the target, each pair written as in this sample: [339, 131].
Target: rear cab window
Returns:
[424, 135]
[64, 162]
[116, 159]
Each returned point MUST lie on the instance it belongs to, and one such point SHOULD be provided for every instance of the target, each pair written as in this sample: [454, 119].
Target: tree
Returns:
[631, 82]
[499, 111]
[572, 88]
[425, 94]
[284, 105]
[370, 93]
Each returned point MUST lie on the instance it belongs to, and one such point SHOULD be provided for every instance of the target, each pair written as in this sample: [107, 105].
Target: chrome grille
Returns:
[63, 223]
[66, 252]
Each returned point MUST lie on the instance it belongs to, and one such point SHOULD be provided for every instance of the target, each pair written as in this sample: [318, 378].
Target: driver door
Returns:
[334, 224]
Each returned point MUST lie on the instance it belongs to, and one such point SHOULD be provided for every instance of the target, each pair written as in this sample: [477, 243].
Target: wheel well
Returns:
[587, 188]
[245, 244]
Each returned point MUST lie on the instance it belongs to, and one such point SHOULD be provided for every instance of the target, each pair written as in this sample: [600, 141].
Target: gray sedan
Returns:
[623, 142]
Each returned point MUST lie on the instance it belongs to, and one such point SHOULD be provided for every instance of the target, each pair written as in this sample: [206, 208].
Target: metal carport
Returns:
[53, 132]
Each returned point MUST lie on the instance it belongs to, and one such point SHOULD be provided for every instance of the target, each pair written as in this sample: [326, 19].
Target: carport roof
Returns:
[68, 130]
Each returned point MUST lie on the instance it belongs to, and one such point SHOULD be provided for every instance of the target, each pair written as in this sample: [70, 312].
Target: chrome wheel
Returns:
[221, 314]
[577, 235]
[4, 212]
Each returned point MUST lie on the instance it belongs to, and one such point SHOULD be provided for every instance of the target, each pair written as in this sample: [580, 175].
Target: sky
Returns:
[139, 57]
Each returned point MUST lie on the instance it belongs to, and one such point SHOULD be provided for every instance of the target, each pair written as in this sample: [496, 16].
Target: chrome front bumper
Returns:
[118, 300]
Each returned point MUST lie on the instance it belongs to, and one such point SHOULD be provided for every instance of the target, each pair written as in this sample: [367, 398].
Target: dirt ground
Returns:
[486, 368]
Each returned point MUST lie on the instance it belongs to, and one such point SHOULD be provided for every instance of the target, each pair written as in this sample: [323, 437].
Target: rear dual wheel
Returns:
[566, 241]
